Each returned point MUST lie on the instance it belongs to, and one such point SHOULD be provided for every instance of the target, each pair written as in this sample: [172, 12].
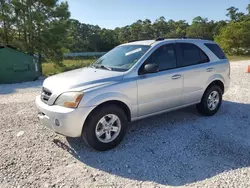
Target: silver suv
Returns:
[131, 82]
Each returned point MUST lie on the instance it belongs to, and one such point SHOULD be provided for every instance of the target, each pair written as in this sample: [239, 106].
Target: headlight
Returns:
[69, 99]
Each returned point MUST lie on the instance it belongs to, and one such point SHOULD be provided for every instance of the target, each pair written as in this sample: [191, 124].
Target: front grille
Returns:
[45, 95]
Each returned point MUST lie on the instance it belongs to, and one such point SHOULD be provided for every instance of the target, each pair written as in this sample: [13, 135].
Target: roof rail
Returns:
[192, 38]
[159, 39]
[132, 41]
[138, 40]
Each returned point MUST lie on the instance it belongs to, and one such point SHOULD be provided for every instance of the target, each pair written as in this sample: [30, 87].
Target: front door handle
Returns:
[175, 77]
[210, 69]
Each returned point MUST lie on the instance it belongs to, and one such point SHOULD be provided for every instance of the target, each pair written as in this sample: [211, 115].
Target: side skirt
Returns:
[163, 111]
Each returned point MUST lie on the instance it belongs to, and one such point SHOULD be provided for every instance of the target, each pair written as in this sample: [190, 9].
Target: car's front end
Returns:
[62, 104]
[63, 116]
[104, 95]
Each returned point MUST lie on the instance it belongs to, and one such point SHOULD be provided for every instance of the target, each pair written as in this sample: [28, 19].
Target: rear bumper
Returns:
[70, 120]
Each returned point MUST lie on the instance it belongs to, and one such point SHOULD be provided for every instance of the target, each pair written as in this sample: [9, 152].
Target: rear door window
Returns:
[216, 50]
[192, 55]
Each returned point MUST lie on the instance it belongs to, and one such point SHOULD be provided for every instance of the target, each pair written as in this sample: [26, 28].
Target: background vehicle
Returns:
[131, 82]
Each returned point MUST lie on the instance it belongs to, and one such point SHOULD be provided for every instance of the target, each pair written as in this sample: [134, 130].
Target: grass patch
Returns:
[51, 69]
[238, 58]
[67, 65]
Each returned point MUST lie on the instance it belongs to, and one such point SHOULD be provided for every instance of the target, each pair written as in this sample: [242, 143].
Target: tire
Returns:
[95, 124]
[205, 107]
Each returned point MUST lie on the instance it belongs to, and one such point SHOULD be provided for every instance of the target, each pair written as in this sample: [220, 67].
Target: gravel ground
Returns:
[180, 148]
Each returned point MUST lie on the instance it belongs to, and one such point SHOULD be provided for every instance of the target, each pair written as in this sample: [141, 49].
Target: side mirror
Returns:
[150, 68]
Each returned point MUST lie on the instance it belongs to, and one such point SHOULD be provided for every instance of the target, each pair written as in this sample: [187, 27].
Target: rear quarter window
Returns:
[216, 50]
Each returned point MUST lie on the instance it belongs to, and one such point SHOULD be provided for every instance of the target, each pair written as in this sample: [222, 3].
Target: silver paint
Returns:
[144, 95]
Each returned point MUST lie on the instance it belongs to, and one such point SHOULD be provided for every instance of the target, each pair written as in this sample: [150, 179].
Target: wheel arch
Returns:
[202, 107]
[217, 82]
[118, 103]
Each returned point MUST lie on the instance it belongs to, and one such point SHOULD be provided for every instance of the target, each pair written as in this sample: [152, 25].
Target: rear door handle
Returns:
[210, 69]
[175, 77]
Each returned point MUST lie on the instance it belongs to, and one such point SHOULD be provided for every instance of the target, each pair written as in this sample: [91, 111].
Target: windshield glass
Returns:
[121, 58]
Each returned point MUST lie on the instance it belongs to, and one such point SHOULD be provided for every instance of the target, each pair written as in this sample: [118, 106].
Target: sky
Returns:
[117, 13]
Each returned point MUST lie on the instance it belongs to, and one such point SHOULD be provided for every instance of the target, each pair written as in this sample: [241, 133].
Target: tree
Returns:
[160, 27]
[108, 40]
[176, 29]
[123, 34]
[92, 38]
[201, 28]
[147, 30]
[248, 9]
[43, 27]
[235, 38]
[5, 21]
[232, 13]
[35, 26]
[218, 26]
[136, 30]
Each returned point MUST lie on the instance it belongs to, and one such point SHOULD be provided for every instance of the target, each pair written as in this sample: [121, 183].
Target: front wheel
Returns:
[211, 101]
[105, 128]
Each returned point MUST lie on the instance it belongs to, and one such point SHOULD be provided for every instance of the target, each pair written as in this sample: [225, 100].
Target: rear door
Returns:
[196, 69]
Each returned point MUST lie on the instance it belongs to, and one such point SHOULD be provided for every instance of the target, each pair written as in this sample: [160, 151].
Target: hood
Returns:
[81, 78]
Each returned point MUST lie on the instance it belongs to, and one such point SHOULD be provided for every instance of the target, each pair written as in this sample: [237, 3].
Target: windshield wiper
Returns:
[101, 66]
[92, 66]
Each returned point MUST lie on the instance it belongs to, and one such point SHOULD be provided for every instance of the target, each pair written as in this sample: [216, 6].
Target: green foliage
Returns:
[43, 27]
[235, 38]
[84, 37]
[201, 28]
[35, 26]
[232, 13]
[52, 68]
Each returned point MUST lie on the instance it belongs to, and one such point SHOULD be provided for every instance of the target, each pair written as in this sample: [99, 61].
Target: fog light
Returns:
[57, 122]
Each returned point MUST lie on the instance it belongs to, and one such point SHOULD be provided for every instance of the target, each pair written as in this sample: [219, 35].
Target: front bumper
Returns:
[71, 120]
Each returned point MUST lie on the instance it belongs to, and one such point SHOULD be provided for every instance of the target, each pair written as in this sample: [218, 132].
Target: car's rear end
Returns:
[223, 67]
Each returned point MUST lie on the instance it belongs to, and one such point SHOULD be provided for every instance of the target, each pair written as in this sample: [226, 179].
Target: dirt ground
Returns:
[180, 148]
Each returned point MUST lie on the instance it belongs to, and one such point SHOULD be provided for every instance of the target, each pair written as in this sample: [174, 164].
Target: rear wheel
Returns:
[105, 127]
[211, 101]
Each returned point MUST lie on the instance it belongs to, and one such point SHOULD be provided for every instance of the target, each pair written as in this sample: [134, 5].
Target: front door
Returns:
[162, 90]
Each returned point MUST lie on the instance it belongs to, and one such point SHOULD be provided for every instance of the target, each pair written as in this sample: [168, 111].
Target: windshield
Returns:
[121, 58]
